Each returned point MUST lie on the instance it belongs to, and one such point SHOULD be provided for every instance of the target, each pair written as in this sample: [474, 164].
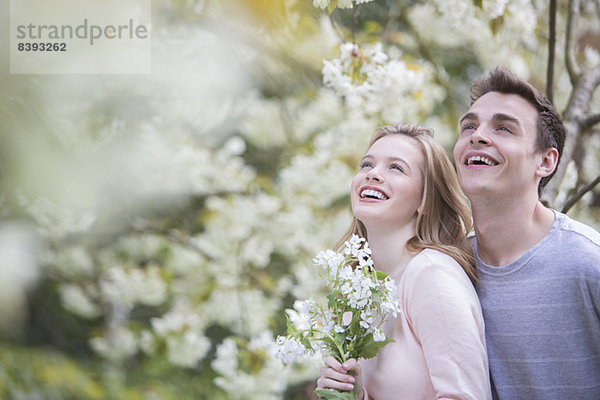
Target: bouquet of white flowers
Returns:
[359, 299]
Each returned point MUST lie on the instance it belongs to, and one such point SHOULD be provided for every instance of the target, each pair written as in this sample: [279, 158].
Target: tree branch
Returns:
[571, 201]
[570, 45]
[336, 28]
[355, 23]
[551, 51]
[590, 121]
[574, 117]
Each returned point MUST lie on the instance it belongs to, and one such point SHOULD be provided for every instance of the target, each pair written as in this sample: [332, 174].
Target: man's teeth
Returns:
[481, 160]
[373, 193]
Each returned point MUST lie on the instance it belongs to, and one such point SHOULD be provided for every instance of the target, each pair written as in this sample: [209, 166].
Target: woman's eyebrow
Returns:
[401, 160]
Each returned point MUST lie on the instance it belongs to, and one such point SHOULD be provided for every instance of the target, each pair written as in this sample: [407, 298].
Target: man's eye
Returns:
[504, 129]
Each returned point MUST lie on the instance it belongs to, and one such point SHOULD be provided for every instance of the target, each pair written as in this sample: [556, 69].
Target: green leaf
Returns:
[305, 342]
[331, 299]
[340, 338]
[381, 275]
[290, 326]
[329, 394]
[368, 348]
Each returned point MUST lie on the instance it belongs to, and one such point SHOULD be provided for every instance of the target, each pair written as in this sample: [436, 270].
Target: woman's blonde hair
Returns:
[445, 218]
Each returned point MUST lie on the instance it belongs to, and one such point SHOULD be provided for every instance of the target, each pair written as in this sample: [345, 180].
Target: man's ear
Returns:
[548, 161]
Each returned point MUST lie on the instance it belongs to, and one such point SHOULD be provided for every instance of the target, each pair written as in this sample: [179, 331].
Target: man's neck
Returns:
[507, 230]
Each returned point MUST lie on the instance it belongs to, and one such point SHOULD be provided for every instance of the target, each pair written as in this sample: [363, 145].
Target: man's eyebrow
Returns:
[470, 115]
[499, 117]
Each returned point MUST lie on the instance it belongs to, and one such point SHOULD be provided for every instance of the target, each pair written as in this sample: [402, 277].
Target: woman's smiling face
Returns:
[388, 187]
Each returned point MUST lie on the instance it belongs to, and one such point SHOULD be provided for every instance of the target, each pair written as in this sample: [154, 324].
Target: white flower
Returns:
[182, 317]
[147, 342]
[56, 219]
[357, 287]
[129, 287]
[366, 319]
[187, 350]
[300, 316]
[119, 344]
[338, 329]
[378, 335]
[76, 300]
[323, 322]
[290, 350]
[226, 360]
[353, 245]
[390, 306]
[320, 3]
[330, 261]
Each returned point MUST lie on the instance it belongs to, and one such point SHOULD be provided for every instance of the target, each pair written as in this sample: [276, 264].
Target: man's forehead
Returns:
[495, 103]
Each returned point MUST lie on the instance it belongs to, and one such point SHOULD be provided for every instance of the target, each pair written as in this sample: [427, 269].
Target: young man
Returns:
[539, 270]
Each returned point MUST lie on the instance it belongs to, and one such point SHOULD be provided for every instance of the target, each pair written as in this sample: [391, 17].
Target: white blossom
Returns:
[55, 219]
[130, 287]
[226, 357]
[188, 349]
[290, 350]
[378, 335]
[75, 299]
[119, 344]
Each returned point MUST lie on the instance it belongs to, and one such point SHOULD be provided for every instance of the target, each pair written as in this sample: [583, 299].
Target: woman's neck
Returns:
[388, 246]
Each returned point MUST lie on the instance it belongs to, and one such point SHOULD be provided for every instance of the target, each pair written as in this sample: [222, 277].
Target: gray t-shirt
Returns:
[542, 317]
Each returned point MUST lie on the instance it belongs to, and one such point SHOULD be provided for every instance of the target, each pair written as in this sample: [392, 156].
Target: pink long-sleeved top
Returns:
[439, 350]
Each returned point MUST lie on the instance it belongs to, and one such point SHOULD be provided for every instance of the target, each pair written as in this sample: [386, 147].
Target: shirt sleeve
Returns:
[444, 313]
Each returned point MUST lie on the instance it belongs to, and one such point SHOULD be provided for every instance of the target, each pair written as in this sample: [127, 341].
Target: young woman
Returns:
[407, 203]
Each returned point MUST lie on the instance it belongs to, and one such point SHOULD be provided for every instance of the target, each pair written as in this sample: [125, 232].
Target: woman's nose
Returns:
[373, 174]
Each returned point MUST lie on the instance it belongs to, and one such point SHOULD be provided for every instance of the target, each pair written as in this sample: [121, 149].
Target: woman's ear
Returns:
[548, 162]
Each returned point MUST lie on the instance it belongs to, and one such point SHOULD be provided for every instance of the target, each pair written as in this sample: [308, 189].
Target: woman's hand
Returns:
[334, 375]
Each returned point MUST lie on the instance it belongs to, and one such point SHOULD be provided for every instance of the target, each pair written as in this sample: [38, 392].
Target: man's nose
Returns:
[480, 136]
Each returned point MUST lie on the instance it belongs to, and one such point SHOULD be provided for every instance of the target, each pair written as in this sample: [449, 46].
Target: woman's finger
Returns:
[328, 383]
[334, 364]
[332, 374]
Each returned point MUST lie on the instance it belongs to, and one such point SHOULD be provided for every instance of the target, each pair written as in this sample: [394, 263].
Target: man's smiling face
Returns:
[496, 151]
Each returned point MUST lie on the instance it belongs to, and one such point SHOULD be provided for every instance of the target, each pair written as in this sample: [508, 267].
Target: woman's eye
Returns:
[397, 167]
[366, 164]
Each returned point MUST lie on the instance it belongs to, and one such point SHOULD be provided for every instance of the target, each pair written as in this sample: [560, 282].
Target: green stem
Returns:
[340, 350]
